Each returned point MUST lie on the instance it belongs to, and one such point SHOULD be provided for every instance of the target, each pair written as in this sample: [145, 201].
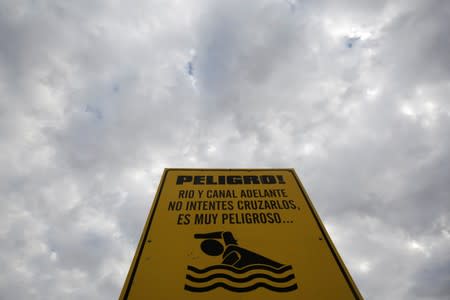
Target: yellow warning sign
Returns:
[235, 234]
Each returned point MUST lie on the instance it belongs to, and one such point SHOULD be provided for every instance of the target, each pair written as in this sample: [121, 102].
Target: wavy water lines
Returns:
[241, 289]
[241, 270]
[240, 279]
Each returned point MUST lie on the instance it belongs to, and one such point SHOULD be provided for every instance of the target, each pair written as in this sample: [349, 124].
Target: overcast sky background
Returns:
[98, 97]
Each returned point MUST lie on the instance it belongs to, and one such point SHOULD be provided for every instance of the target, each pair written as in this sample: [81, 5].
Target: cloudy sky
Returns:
[98, 97]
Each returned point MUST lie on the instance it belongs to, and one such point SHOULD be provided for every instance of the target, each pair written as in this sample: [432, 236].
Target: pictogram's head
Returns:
[212, 247]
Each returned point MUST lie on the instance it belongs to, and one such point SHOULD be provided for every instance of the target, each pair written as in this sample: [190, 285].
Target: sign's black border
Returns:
[330, 245]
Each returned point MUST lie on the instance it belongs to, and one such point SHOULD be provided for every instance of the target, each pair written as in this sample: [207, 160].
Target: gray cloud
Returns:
[96, 98]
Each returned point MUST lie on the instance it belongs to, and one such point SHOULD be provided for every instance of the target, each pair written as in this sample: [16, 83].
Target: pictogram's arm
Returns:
[210, 235]
[227, 236]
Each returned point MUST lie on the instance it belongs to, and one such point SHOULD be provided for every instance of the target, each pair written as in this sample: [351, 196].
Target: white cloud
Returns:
[98, 97]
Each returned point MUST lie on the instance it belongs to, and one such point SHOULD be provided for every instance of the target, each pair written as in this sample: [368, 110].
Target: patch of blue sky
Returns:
[190, 68]
[95, 111]
[350, 42]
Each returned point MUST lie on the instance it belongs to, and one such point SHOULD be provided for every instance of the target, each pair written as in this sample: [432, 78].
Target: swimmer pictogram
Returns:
[240, 270]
